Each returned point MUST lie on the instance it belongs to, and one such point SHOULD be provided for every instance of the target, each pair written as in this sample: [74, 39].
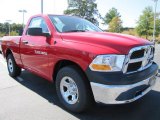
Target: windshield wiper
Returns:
[76, 31]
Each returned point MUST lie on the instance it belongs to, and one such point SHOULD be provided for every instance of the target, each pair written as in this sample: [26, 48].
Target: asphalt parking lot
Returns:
[30, 97]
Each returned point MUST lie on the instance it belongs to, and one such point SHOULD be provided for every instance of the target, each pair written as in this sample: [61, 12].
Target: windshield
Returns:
[72, 24]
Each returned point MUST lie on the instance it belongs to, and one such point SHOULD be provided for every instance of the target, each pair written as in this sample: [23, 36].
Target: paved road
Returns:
[29, 97]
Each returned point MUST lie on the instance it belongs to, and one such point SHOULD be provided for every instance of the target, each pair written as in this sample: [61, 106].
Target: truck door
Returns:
[34, 49]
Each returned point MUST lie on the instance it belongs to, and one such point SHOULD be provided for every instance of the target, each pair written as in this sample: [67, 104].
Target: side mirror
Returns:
[37, 32]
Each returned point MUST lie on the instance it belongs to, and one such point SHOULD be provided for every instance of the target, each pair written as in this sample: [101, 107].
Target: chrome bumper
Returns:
[120, 94]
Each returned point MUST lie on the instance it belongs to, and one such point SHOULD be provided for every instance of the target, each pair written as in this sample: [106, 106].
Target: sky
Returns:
[130, 10]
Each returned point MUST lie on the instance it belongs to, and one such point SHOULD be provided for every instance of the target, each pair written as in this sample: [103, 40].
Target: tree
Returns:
[86, 9]
[14, 28]
[115, 25]
[145, 23]
[113, 12]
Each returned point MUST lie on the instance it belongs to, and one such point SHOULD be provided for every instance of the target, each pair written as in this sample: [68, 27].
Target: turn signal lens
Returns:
[101, 67]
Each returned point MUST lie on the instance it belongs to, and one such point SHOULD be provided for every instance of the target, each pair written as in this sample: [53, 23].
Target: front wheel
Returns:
[73, 90]
[13, 69]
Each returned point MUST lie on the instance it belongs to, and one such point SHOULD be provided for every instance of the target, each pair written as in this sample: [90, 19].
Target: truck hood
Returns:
[104, 42]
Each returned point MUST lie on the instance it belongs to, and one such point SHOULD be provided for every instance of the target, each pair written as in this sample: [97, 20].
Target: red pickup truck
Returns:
[85, 63]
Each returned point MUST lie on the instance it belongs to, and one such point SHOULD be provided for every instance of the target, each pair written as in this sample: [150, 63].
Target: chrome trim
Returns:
[147, 56]
[158, 74]
[108, 94]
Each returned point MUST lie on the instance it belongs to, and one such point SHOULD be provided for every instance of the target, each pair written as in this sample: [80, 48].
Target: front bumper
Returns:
[119, 94]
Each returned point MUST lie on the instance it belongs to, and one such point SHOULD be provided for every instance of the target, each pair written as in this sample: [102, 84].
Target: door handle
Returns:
[25, 42]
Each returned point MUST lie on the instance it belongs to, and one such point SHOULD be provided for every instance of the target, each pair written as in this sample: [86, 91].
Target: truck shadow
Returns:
[147, 108]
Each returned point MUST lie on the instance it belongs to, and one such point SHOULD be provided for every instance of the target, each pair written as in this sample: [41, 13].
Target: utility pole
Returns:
[154, 27]
[41, 6]
[9, 26]
[23, 12]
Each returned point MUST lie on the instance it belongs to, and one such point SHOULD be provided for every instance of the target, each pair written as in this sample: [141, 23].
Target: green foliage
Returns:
[115, 25]
[145, 23]
[158, 39]
[113, 12]
[113, 19]
[86, 9]
[14, 33]
[14, 29]
[2, 34]
[129, 31]
[4, 27]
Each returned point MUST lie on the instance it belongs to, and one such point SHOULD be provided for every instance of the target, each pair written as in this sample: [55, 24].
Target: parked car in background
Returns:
[85, 63]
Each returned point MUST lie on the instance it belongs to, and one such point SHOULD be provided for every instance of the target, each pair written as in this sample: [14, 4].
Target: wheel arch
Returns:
[63, 63]
[8, 51]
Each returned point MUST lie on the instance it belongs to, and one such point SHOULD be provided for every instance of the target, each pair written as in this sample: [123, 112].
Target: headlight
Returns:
[106, 63]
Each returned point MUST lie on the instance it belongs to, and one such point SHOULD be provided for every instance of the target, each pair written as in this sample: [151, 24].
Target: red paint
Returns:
[78, 47]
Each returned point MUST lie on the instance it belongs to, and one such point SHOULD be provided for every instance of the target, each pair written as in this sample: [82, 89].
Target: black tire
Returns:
[85, 98]
[16, 70]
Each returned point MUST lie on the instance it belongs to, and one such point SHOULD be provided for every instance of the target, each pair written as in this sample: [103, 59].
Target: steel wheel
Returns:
[69, 90]
[13, 69]
[10, 65]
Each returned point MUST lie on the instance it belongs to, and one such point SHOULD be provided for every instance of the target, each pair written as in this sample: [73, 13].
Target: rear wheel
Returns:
[73, 90]
[13, 69]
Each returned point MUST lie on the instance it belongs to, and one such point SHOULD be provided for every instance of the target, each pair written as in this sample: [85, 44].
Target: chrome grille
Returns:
[139, 58]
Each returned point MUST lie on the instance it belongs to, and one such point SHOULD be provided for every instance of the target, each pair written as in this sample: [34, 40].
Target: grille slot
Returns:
[134, 66]
[139, 58]
[137, 54]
